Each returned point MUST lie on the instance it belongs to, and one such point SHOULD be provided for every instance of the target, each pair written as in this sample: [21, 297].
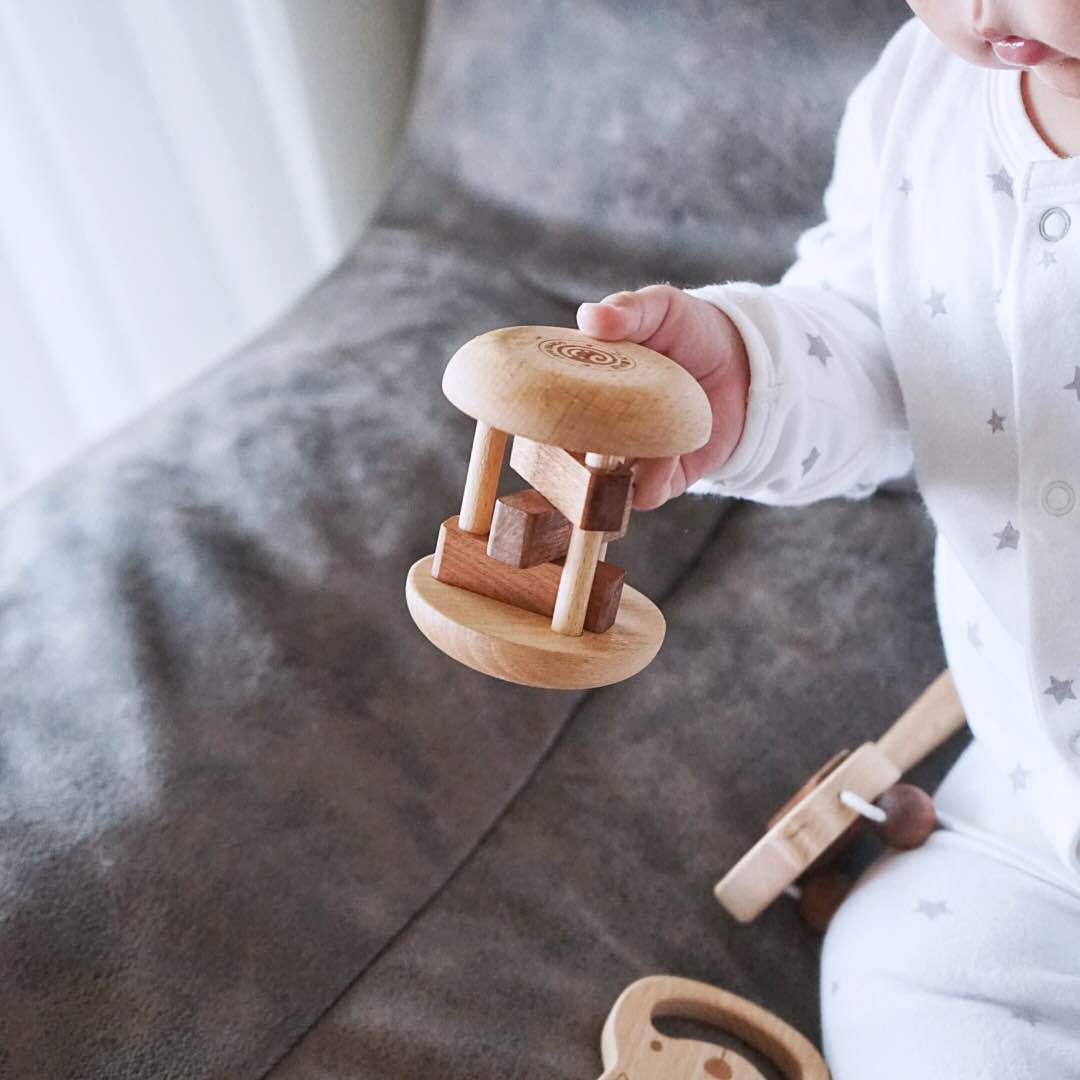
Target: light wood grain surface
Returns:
[633, 1049]
[519, 646]
[935, 715]
[803, 833]
[560, 387]
[816, 818]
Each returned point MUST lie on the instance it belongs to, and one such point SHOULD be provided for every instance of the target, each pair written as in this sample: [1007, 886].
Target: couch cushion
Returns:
[781, 649]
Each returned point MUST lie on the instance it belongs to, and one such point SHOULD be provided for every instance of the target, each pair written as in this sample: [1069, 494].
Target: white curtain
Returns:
[172, 173]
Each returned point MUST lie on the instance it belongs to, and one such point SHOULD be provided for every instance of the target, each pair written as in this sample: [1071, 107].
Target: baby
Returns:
[933, 319]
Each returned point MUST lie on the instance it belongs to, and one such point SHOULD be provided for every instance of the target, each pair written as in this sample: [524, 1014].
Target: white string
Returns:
[861, 806]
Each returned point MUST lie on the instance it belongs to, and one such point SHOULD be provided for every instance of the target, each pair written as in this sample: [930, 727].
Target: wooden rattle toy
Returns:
[518, 586]
[633, 1049]
[851, 786]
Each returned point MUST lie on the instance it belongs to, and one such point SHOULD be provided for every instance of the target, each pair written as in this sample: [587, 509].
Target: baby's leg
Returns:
[958, 960]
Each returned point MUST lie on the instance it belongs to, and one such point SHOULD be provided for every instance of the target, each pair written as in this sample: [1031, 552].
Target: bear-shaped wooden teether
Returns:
[633, 1049]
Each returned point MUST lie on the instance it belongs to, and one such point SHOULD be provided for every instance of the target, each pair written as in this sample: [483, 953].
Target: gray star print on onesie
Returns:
[1075, 384]
[932, 908]
[818, 348]
[1008, 537]
[1060, 689]
[936, 300]
[1001, 181]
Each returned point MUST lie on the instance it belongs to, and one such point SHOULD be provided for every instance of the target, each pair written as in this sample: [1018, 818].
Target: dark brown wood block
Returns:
[608, 501]
[461, 559]
[598, 500]
[527, 530]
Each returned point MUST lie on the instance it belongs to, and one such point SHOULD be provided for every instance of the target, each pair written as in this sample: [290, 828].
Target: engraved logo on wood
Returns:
[580, 353]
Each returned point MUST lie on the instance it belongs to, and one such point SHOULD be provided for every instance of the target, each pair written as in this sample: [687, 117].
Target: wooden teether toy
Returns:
[633, 1049]
[834, 799]
[518, 587]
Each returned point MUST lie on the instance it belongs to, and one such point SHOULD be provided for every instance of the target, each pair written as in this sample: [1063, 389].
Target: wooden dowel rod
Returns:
[576, 581]
[603, 461]
[482, 482]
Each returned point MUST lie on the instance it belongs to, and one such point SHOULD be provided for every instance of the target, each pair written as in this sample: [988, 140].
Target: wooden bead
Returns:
[822, 894]
[910, 816]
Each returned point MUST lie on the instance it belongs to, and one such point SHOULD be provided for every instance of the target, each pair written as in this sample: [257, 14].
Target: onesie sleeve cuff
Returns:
[734, 477]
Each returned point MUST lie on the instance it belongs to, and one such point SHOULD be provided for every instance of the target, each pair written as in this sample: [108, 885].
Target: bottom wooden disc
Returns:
[521, 647]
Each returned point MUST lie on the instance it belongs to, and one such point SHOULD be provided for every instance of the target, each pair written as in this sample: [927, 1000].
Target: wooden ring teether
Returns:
[816, 818]
[518, 586]
[633, 1049]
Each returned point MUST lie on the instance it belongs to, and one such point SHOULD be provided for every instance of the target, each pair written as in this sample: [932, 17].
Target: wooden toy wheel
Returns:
[520, 646]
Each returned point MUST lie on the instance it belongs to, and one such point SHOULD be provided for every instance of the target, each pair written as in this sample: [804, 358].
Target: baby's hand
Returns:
[703, 340]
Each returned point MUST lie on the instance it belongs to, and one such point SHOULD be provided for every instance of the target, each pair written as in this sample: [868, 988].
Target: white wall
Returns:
[173, 173]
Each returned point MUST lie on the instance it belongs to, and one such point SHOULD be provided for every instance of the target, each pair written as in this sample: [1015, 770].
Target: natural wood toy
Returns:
[519, 587]
[633, 1049]
[821, 814]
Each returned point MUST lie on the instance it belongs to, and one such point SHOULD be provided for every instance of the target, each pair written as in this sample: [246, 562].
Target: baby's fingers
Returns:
[607, 320]
[656, 480]
[629, 316]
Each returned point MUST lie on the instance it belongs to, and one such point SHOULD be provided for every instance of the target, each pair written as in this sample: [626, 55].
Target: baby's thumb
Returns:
[622, 316]
[690, 331]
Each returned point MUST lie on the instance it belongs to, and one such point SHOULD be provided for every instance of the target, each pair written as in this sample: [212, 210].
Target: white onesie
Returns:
[933, 319]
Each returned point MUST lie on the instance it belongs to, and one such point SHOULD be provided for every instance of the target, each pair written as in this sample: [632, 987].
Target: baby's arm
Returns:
[806, 403]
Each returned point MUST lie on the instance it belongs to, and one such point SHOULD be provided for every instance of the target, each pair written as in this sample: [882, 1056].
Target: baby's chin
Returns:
[1064, 77]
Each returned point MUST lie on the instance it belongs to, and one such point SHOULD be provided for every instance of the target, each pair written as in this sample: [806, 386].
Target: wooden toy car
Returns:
[862, 783]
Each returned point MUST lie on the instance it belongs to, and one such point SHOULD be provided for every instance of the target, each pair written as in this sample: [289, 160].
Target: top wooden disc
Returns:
[563, 388]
